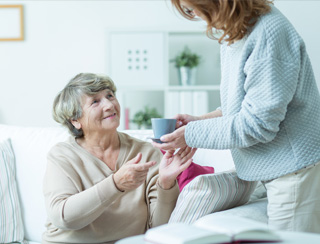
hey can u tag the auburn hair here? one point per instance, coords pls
(231, 17)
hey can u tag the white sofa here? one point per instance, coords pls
(30, 146)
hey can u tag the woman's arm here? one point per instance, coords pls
(163, 189)
(177, 139)
(214, 114)
(160, 202)
(184, 119)
(69, 207)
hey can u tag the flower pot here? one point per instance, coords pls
(187, 76)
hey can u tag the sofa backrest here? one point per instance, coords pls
(31, 145)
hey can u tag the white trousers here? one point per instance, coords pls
(294, 200)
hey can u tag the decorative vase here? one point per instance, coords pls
(187, 76)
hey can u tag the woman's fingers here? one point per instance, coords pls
(187, 152)
(164, 146)
(174, 136)
(169, 153)
(132, 175)
(184, 151)
(172, 141)
(185, 165)
(192, 151)
(168, 137)
(179, 124)
(144, 167)
(136, 159)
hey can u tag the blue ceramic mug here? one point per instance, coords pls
(162, 126)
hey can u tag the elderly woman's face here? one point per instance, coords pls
(100, 112)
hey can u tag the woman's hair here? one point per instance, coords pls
(233, 17)
(67, 104)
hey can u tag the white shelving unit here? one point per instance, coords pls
(140, 64)
(194, 88)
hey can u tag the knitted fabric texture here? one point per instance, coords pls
(269, 101)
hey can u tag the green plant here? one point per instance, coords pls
(187, 59)
(143, 117)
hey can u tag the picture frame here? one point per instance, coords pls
(13, 29)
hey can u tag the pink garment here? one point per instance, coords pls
(191, 172)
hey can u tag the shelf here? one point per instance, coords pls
(208, 71)
(141, 64)
(194, 88)
(169, 88)
(139, 88)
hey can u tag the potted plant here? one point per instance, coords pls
(143, 117)
(186, 62)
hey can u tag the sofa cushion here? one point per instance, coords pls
(211, 193)
(30, 145)
(11, 226)
(255, 210)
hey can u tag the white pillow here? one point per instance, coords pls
(211, 193)
(11, 225)
(30, 146)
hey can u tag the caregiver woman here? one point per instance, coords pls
(270, 107)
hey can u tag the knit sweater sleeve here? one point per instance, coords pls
(269, 87)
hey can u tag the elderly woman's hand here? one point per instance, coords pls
(132, 175)
(173, 164)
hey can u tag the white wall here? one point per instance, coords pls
(63, 38)
(305, 16)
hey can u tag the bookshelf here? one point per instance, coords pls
(140, 64)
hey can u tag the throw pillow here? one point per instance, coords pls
(211, 193)
(11, 225)
(192, 172)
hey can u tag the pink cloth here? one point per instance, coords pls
(191, 172)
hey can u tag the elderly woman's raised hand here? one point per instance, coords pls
(173, 164)
(132, 175)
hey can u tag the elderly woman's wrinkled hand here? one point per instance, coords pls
(132, 175)
(172, 164)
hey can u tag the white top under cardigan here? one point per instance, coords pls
(269, 101)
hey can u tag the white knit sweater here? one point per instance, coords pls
(269, 101)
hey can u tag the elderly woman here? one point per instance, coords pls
(102, 185)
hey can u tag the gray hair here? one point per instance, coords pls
(67, 104)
